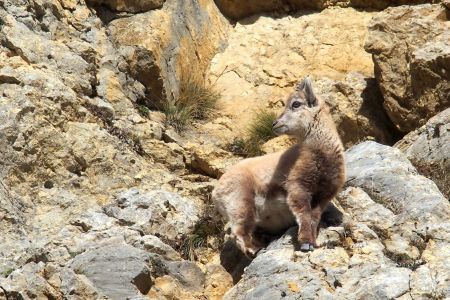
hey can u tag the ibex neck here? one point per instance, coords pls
(323, 134)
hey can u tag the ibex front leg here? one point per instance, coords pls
(299, 202)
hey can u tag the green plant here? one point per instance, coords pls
(196, 101)
(143, 110)
(7, 272)
(257, 133)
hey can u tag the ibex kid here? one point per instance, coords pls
(274, 191)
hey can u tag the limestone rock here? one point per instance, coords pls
(43, 281)
(412, 58)
(183, 280)
(153, 244)
(57, 132)
(76, 72)
(218, 281)
(14, 242)
(276, 273)
(385, 174)
(387, 283)
(98, 197)
(169, 154)
(116, 271)
(422, 285)
(132, 6)
(155, 212)
(210, 160)
(356, 106)
(428, 150)
(11, 215)
(217, 131)
(71, 139)
(277, 144)
(362, 208)
(171, 136)
(180, 37)
(265, 58)
(382, 4)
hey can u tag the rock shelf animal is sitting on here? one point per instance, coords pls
(274, 191)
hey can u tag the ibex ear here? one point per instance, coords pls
(309, 92)
(300, 85)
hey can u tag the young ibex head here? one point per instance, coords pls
(301, 108)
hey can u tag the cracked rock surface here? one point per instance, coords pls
(412, 59)
(428, 149)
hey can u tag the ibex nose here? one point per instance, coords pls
(274, 123)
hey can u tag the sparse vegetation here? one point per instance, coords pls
(210, 225)
(346, 239)
(258, 132)
(403, 260)
(7, 272)
(143, 110)
(196, 101)
(237, 146)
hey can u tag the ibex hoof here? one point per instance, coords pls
(306, 247)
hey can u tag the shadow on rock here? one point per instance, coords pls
(234, 261)
(332, 216)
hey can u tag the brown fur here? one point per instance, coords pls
(276, 190)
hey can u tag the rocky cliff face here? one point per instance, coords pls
(101, 198)
(411, 55)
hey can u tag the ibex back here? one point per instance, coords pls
(274, 191)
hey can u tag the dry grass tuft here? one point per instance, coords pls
(258, 132)
(196, 101)
(209, 226)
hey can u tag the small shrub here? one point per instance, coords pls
(143, 110)
(258, 132)
(196, 101)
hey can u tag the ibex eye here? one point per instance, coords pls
(296, 104)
